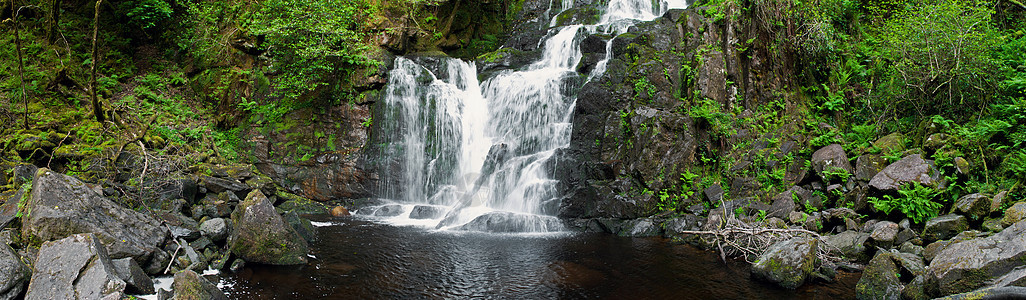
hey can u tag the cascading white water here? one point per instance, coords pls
(479, 152)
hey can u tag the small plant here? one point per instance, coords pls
(831, 173)
(916, 202)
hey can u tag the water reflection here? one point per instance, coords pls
(364, 260)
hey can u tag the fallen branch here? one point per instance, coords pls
(736, 238)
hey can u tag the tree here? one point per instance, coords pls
(97, 109)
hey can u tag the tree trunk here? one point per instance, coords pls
(97, 110)
(21, 62)
(53, 23)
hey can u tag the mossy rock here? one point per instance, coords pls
(300, 205)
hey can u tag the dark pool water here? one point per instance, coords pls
(358, 259)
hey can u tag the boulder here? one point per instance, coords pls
(339, 211)
(75, 267)
(880, 279)
(220, 185)
(1017, 277)
(944, 227)
(136, 279)
(830, 159)
(968, 265)
(783, 205)
(894, 142)
(991, 293)
(912, 168)
(675, 228)
(189, 285)
(262, 236)
(788, 263)
(390, 210)
(1014, 214)
(867, 166)
(216, 229)
(13, 273)
(61, 205)
(641, 228)
(851, 244)
(427, 212)
(301, 225)
(973, 205)
(301, 205)
(884, 233)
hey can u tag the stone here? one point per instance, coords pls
(974, 206)
(136, 279)
(427, 212)
(641, 228)
(992, 225)
(61, 205)
(915, 290)
(912, 168)
(884, 233)
(713, 193)
(967, 265)
(9, 208)
(502, 222)
(301, 225)
(301, 205)
(390, 210)
(1014, 214)
(14, 275)
(851, 244)
(991, 293)
(788, 263)
(935, 141)
(24, 173)
(830, 159)
(262, 236)
(944, 227)
(880, 279)
(675, 227)
(782, 206)
(867, 166)
(221, 185)
(216, 229)
(1017, 277)
(75, 267)
(997, 201)
(339, 211)
(910, 248)
(894, 142)
(190, 285)
(180, 188)
(961, 165)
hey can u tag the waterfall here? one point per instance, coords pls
(476, 156)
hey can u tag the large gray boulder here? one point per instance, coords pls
(75, 267)
(830, 159)
(13, 274)
(912, 168)
(189, 285)
(262, 236)
(61, 205)
(975, 206)
(868, 165)
(216, 229)
(880, 279)
(851, 244)
(788, 263)
(970, 264)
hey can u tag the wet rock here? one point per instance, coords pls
(75, 267)
(713, 193)
(216, 229)
(339, 211)
(136, 279)
(24, 173)
(788, 263)
(301, 225)
(390, 210)
(911, 248)
(427, 212)
(944, 227)
(1017, 277)
(220, 185)
(13, 273)
(261, 236)
(1014, 214)
(851, 244)
(190, 285)
(992, 225)
(973, 205)
(641, 228)
(830, 159)
(512, 222)
(912, 168)
(184, 232)
(783, 205)
(968, 265)
(180, 188)
(880, 279)
(675, 227)
(61, 206)
(9, 208)
(915, 290)
(301, 205)
(867, 166)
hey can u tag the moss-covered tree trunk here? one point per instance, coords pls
(21, 61)
(97, 110)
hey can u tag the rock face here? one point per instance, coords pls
(13, 274)
(61, 205)
(262, 236)
(788, 263)
(912, 168)
(76, 267)
(830, 159)
(968, 265)
(191, 286)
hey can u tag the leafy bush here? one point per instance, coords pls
(916, 202)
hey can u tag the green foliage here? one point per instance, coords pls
(915, 202)
(313, 41)
(146, 14)
(836, 173)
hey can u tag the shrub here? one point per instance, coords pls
(915, 202)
